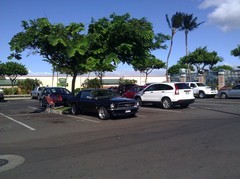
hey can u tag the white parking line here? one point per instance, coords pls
(82, 118)
(163, 110)
(18, 122)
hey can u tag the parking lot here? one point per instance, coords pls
(198, 142)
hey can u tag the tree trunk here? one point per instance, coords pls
(188, 65)
(73, 82)
(170, 50)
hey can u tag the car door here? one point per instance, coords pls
(194, 88)
(234, 92)
(153, 93)
(87, 101)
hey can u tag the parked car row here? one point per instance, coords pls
(107, 103)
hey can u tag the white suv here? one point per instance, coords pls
(201, 90)
(166, 94)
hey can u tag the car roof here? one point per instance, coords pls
(96, 89)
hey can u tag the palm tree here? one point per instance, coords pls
(236, 52)
(175, 24)
(188, 24)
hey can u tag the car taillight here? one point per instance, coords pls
(176, 89)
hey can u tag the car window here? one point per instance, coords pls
(47, 91)
(140, 88)
(182, 86)
(193, 85)
(151, 88)
(133, 89)
(159, 87)
(167, 87)
(236, 87)
(103, 94)
(201, 84)
(85, 94)
(40, 88)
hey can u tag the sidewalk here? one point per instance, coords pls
(14, 97)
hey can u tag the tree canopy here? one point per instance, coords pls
(222, 67)
(108, 42)
(175, 24)
(62, 46)
(174, 69)
(13, 70)
(236, 52)
(147, 65)
(201, 58)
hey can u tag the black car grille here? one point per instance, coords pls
(125, 104)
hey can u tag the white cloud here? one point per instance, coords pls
(225, 14)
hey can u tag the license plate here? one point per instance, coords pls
(127, 111)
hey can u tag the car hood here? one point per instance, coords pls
(120, 99)
(117, 99)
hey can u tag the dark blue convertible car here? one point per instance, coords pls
(104, 102)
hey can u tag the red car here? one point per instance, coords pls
(132, 91)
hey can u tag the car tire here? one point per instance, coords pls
(223, 96)
(74, 109)
(103, 113)
(201, 95)
(139, 101)
(166, 103)
(42, 104)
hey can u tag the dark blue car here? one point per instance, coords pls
(104, 102)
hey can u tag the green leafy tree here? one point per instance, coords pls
(201, 58)
(147, 65)
(124, 39)
(13, 70)
(92, 83)
(127, 81)
(222, 67)
(28, 84)
(175, 25)
(1, 69)
(174, 69)
(236, 52)
(62, 46)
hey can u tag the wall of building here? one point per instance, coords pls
(50, 81)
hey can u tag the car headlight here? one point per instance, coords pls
(112, 106)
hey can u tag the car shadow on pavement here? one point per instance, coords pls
(39, 110)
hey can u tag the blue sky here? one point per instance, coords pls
(220, 32)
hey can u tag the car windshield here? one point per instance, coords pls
(60, 91)
(103, 94)
(182, 86)
(201, 84)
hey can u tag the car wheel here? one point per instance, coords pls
(74, 109)
(103, 113)
(166, 103)
(201, 94)
(42, 103)
(223, 96)
(32, 96)
(184, 105)
(139, 101)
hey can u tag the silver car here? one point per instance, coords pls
(233, 92)
(36, 92)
